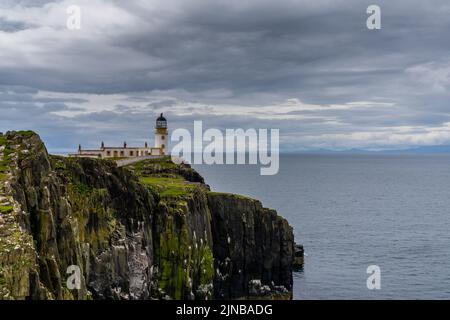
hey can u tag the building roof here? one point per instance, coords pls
(161, 118)
(127, 148)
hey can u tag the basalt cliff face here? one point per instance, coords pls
(87, 229)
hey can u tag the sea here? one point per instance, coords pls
(353, 211)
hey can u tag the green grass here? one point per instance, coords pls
(26, 133)
(6, 209)
(59, 165)
(168, 187)
(165, 160)
(157, 174)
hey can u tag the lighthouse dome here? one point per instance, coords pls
(161, 122)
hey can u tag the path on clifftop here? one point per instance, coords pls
(126, 162)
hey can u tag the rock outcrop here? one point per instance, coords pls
(86, 229)
(250, 242)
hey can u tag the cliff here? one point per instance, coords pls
(151, 230)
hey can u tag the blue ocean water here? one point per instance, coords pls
(352, 211)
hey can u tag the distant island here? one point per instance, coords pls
(434, 149)
(148, 230)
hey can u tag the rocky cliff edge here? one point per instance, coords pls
(151, 230)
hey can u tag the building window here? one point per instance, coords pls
(161, 124)
(163, 146)
(163, 137)
(108, 153)
(122, 153)
(131, 153)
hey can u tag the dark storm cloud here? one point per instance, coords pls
(207, 54)
(259, 46)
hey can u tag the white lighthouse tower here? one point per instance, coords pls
(161, 134)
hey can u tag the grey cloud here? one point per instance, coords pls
(164, 103)
(13, 26)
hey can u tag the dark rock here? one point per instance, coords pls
(250, 243)
(298, 262)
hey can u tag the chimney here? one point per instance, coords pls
(125, 144)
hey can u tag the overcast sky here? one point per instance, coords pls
(308, 67)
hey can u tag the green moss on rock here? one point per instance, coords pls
(6, 209)
(184, 257)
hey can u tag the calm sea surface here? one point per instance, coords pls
(352, 211)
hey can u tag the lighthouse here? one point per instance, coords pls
(126, 151)
(161, 133)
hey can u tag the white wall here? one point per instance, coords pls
(161, 139)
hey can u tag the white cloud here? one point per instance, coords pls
(290, 109)
(432, 76)
(393, 138)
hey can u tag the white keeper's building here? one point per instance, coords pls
(161, 136)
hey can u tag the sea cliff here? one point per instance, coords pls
(149, 230)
